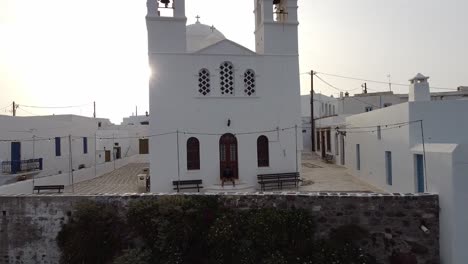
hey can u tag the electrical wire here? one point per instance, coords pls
(375, 81)
(340, 90)
(22, 109)
(54, 107)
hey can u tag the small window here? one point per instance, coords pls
(334, 110)
(144, 123)
(204, 85)
(368, 108)
(226, 72)
(263, 152)
(329, 109)
(388, 167)
(328, 140)
(193, 154)
(358, 157)
(58, 148)
(85, 145)
(99, 124)
(249, 82)
(326, 109)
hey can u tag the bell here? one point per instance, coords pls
(165, 2)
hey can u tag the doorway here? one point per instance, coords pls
(144, 146)
(117, 153)
(322, 141)
(419, 170)
(107, 156)
(228, 155)
(15, 157)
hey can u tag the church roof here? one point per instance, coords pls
(200, 36)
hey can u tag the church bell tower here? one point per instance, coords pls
(276, 27)
(165, 21)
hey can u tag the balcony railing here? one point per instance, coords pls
(18, 166)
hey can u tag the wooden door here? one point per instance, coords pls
(108, 155)
(228, 154)
(144, 146)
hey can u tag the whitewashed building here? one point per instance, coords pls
(215, 104)
(331, 113)
(418, 146)
(43, 146)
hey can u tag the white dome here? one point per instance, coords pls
(200, 36)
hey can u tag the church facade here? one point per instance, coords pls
(217, 106)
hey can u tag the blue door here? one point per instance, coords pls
(15, 157)
(420, 173)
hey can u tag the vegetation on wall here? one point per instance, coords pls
(199, 230)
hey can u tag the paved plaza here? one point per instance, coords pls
(318, 176)
(325, 177)
(123, 180)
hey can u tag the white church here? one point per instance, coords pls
(215, 104)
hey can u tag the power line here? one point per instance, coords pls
(5, 107)
(54, 107)
(381, 82)
(340, 90)
(22, 109)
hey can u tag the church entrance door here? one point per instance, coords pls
(228, 156)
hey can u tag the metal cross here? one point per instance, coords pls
(212, 28)
(198, 18)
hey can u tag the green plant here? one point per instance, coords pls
(94, 234)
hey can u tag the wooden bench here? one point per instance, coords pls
(278, 180)
(48, 187)
(187, 184)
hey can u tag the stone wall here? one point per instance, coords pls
(29, 224)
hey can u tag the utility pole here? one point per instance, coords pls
(14, 109)
(364, 86)
(312, 120)
(389, 82)
(94, 113)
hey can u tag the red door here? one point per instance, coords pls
(228, 154)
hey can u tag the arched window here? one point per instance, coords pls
(193, 154)
(249, 82)
(226, 73)
(204, 86)
(263, 152)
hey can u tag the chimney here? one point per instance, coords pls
(419, 89)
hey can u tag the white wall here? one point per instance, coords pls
(373, 150)
(43, 129)
(276, 104)
(25, 187)
(446, 148)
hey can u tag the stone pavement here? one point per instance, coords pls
(123, 180)
(318, 177)
(322, 177)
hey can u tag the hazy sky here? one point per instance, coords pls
(68, 52)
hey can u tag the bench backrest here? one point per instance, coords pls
(278, 175)
(37, 187)
(187, 182)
